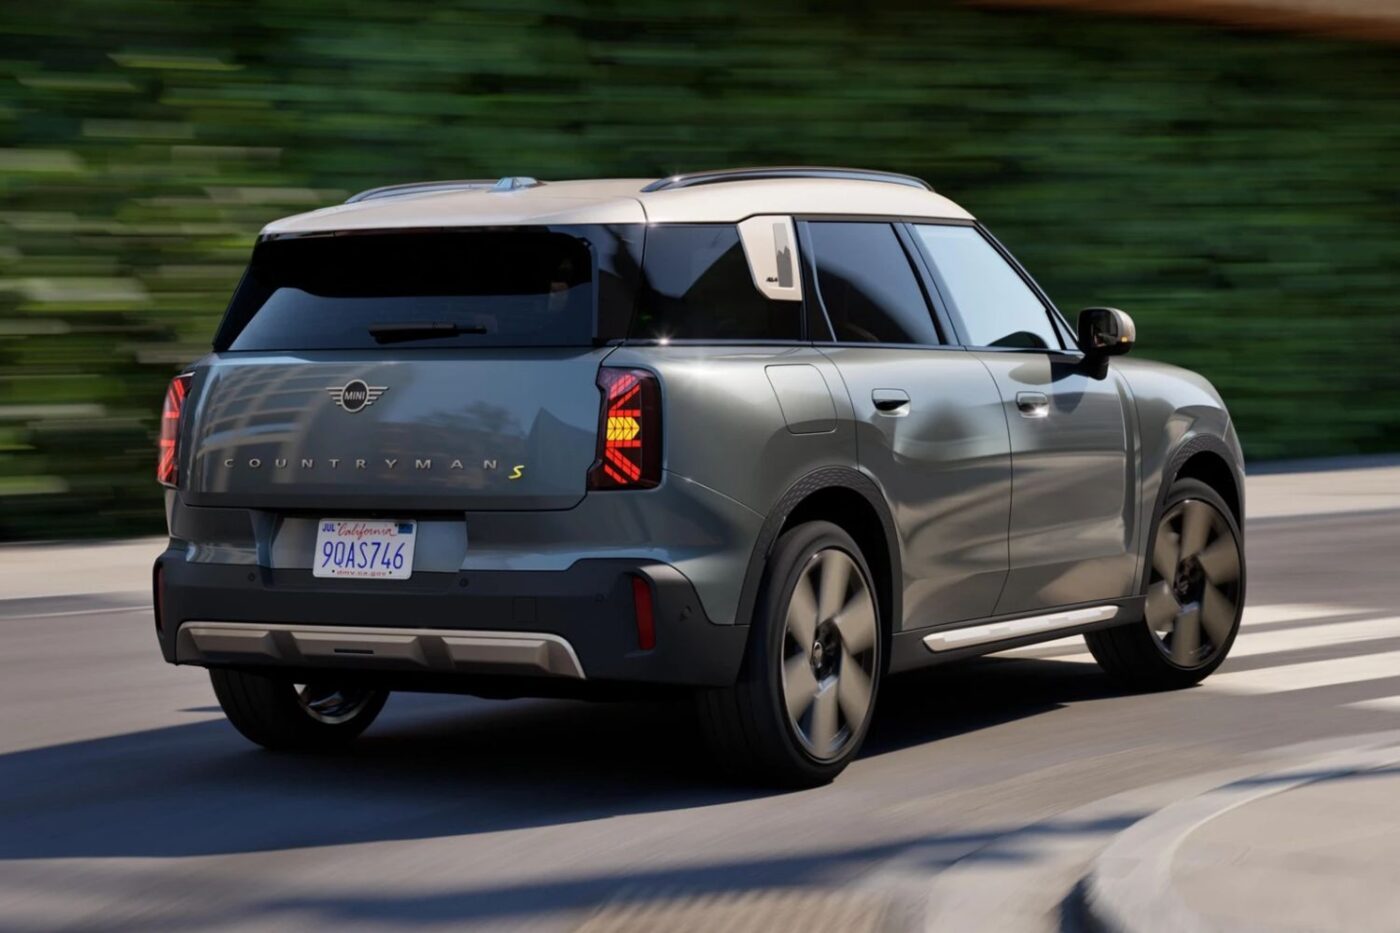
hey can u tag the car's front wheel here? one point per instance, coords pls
(278, 714)
(805, 696)
(1194, 596)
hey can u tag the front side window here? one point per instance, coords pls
(696, 285)
(994, 305)
(867, 286)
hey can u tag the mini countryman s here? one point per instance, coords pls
(766, 436)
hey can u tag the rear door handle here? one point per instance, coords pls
(890, 401)
(1033, 404)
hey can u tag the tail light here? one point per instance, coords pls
(168, 466)
(645, 614)
(629, 431)
(159, 600)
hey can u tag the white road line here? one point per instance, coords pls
(1292, 612)
(1322, 635)
(1245, 645)
(1307, 675)
(1383, 704)
(1284, 678)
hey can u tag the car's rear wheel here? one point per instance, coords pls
(1194, 596)
(805, 696)
(279, 714)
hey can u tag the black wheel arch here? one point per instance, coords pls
(1207, 458)
(850, 499)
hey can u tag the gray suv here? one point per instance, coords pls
(763, 436)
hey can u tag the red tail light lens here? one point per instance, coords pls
(646, 616)
(159, 602)
(168, 466)
(629, 432)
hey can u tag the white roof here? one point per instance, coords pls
(622, 200)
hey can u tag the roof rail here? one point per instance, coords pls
(509, 183)
(691, 179)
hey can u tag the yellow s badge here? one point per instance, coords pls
(517, 472)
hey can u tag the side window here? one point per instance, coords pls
(696, 285)
(993, 303)
(867, 286)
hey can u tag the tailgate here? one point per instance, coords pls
(352, 431)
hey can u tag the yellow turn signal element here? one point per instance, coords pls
(623, 429)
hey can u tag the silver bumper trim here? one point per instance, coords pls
(377, 648)
(975, 635)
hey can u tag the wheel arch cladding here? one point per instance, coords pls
(852, 501)
(1211, 468)
(1207, 458)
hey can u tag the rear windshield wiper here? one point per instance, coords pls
(420, 330)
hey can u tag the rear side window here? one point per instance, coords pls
(696, 285)
(867, 286)
(457, 289)
(993, 303)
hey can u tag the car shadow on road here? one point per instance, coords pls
(441, 766)
(941, 702)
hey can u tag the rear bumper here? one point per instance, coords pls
(443, 650)
(577, 624)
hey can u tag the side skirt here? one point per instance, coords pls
(937, 644)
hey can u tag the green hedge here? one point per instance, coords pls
(1237, 193)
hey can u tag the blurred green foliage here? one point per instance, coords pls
(1238, 193)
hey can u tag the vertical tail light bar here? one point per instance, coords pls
(159, 601)
(168, 464)
(644, 612)
(629, 431)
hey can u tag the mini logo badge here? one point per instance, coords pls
(355, 394)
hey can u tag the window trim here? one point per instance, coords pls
(814, 316)
(942, 318)
(1057, 325)
(811, 289)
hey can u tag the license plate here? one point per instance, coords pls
(353, 548)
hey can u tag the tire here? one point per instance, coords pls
(1205, 594)
(272, 712)
(830, 685)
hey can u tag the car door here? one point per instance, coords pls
(1074, 495)
(929, 425)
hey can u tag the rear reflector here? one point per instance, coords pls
(629, 431)
(159, 601)
(168, 465)
(646, 618)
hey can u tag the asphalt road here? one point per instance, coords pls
(126, 802)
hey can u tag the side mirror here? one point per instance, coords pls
(1105, 332)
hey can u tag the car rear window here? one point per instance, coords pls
(518, 288)
(696, 285)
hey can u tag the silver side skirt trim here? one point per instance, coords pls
(975, 635)
(377, 648)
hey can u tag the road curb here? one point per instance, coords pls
(1129, 886)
